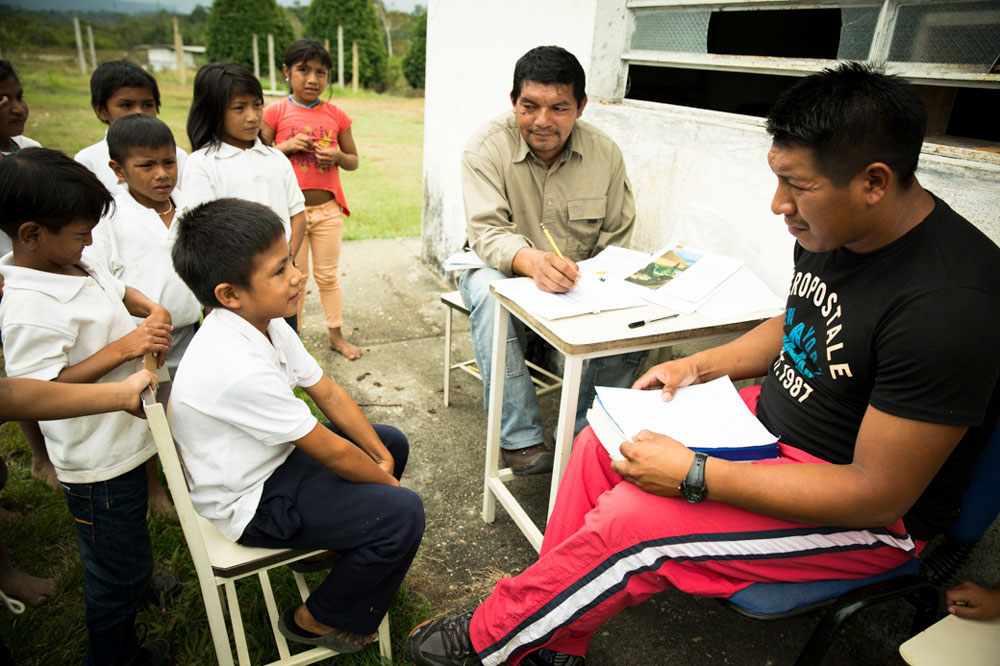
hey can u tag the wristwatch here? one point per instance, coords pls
(693, 487)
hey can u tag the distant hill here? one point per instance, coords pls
(123, 6)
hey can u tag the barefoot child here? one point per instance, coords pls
(65, 320)
(260, 466)
(316, 137)
(13, 116)
(133, 240)
(117, 89)
(229, 159)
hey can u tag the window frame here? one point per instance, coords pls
(918, 73)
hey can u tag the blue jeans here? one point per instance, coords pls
(113, 541)
(521, 425)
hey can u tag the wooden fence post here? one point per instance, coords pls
(256, 58)
(270, 59)
(93, 53)
(179, 50)
(79, 44)
(354, 67)
(340, 56)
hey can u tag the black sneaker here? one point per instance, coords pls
(443, 641)
(546, 657)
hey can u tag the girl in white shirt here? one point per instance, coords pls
(229, 159)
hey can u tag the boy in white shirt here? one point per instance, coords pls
(117, 89)
(259, 465)
(65, 320)
(133, 240)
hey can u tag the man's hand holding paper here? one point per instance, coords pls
(654, 462)
(669, 376)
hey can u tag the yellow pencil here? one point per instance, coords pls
(555, 247)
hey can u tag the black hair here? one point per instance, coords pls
(7, 71)
(850, 116)
(115, 74)
(215, 85)
(137, 130)
(45, 186)
(305, 50)
(550, 65)
(220, 241)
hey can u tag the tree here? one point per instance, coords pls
(361, 25)
(415, 60)
(232, 24)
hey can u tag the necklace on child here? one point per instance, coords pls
(168, 211)
(304, 106)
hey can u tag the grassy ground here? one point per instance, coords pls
(384, 195)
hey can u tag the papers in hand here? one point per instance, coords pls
(710, 418)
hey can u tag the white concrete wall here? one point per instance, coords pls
(472, 46)
(699, 176)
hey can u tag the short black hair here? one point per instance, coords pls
(215, 84)
(220, 241)
(850, 116)
(45, 186)
(7, 71)
(138, 130)
(550, 65)
(115, 74)
(305, 50)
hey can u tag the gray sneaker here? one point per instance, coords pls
(443, 641)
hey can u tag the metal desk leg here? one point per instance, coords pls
(572, 373)
(498, 372)
(447, 353)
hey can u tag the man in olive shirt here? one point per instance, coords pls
(540, 164)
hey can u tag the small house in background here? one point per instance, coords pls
(161, 57)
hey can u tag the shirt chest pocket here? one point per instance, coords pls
(586, 217)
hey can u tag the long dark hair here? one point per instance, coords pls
(215, 85)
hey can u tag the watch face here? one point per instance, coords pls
(693, 495)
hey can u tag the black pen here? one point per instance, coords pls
(643, 322)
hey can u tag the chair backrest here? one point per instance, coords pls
(981, 503)
(156, 417)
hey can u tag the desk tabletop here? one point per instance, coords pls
(608, 330)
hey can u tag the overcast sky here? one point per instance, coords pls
(181, 6)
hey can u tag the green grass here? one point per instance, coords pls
(384, 194)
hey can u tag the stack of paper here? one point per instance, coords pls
(710, 418)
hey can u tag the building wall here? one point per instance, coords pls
(698, 176)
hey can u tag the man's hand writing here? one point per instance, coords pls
(655, 463)
(555, 274)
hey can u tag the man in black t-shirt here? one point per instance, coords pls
(880, 380)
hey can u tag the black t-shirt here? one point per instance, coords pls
(912, 329)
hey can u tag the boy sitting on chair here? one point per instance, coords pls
(259, 465)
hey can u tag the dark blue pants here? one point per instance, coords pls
(113, 540)
(376, 528)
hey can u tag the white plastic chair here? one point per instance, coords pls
(220, 562)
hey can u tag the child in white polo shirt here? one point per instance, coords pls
(65, 320)
(229, 159)
(259, 465)
(133, 240)
(119, 88)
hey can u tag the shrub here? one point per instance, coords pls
(232, 24)
(361, 25)
(415, 60)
